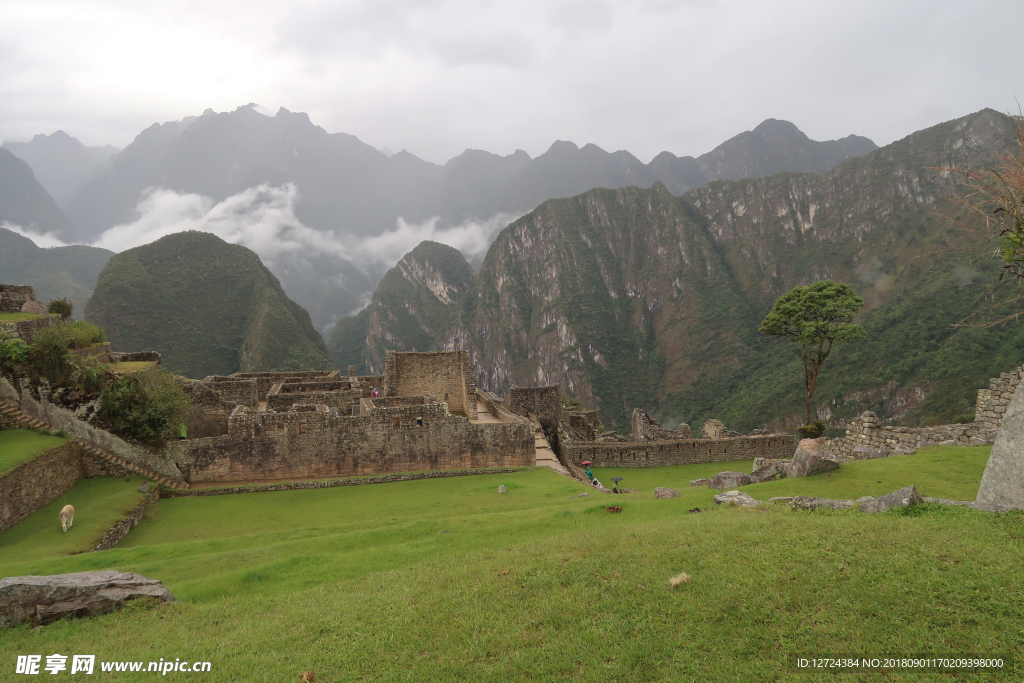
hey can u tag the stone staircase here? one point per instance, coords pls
(13, 413)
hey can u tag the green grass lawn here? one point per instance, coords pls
(357, 583)
(99, 503)
(130, 366)
(18, 446)
(7, 317)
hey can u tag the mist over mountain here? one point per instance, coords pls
(638, 297)
(61, 163)
(24, 202)
(54, 272)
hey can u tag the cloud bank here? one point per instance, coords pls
(263, 219)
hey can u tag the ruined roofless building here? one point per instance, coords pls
(427, 415)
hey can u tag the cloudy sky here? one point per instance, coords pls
(438, 76)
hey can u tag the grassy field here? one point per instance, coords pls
(448, 580)
(8, 317)
(18, 446)
(130, 366)
(99, 503)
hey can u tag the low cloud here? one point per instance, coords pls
(263, 219)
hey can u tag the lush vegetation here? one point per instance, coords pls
(56, 271)
(538, 584)
(18, 446)
(148, 407)
(9, 317)
(209, 307)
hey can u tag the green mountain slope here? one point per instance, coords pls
(412, 307)
(55, 272)
(208, 306)
(636, 297)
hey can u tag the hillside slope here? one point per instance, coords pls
(413, 306)
(61, 163)
(55, 272)
(25, 203)
(208, 306)
(636, 297)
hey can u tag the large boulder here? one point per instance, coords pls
(662, 492)
(766, 469)
(905, 497)
(736, 498)
(1003, 481)
(729, 480)
(44, 598)
(810, 458)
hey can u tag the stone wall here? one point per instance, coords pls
(57, 417)
(14, 297)
(644, 428)
(683, 452)
(236, 391)
(334, 483)
(123, 526)
(444, 375)
(37, 482)
(992, 402)
(338, 395)
(544, 402)
(867, 430)
(25, 329)
(276, 446)
(266, 380)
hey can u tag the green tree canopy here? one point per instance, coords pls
(818, 317)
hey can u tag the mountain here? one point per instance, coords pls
(61, 163)
(351, 191)
(25, 203)
(56, 272)
(211, 308)
(414, 304)
(638, 297)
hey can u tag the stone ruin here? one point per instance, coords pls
(647, 429)
(427, 415)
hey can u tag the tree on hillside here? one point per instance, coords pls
(818, 317)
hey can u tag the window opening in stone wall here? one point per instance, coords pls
(302, 428)
(419, 420)
(397, 423)
(280, 430)
(446, 397)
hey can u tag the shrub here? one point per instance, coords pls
(149, 408)
(812, 431)
(13, 351)
(61, 307)
(82, 334)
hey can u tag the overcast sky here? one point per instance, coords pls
(436, 77)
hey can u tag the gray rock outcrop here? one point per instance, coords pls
(766, 469)
(812, 503)
(501, 489)
(729, 480)
(905, 497)
(662, 492)
(700, 482)
(736, 498)
(1003, 481)
(810, 458)
(84, 594)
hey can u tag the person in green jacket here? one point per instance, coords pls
(590, 475)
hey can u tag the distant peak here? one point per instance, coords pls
(563, 146)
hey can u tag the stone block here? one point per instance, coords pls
(810, 458)
(83, 594)
(868, 453)
(729, 480)
(904, 497)
(662, 492)
(736, 498)
(812, 503)
(1003, 480)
